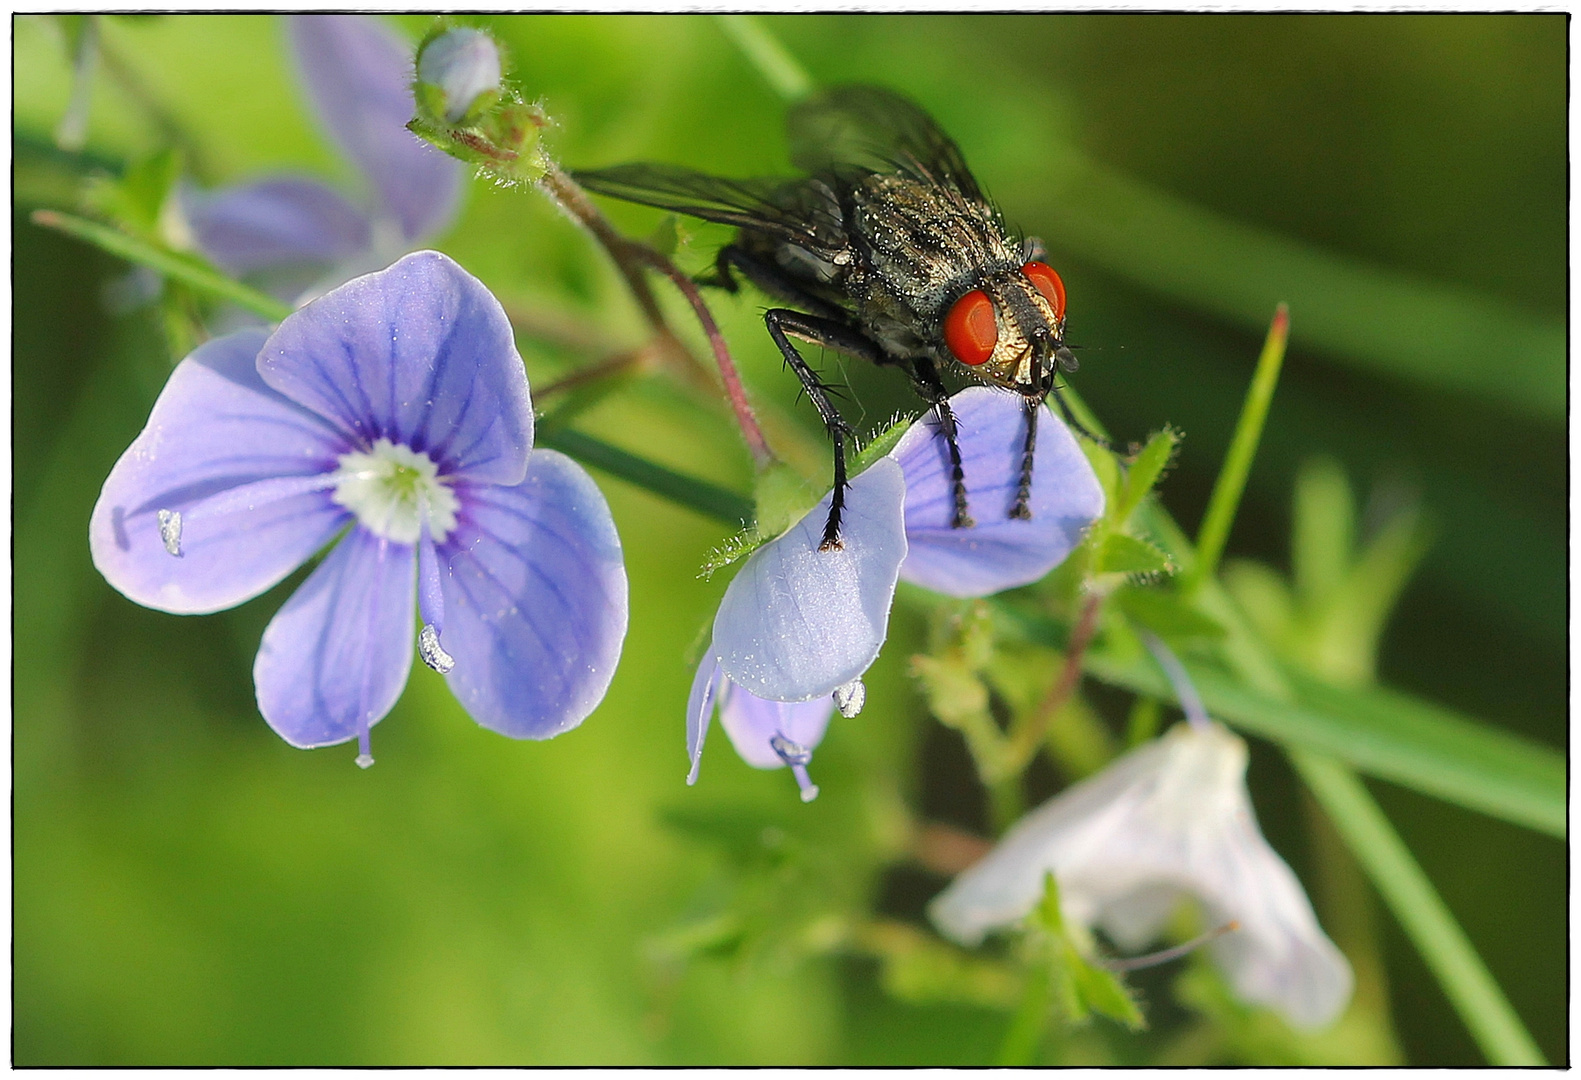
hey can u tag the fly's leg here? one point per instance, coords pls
(1022, 508)
(782, 286)
(782, 322)
(927, 378)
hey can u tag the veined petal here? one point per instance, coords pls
(216, 429)
(999, 552)
(751, 722)
(797, 622)
(358, 74)
(535, 600)
(334, 659)
(1169, 819)
(700, 709)
(420, 354)
(276, 221)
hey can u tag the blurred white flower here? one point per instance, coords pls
(1169, 819)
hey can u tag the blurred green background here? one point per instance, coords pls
(188, 889)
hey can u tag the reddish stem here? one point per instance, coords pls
(1070, 675)
(762, 456)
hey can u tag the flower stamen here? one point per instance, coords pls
(797, 757)
(396, 492)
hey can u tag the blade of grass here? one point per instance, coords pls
(169, 263)
(1382, 733)
(1471, 989)
(773, 61)
(1373, 319)
(1231, 482)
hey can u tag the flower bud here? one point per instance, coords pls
(458, 76)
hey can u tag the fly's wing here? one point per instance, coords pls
(878, 130)
(799, 212)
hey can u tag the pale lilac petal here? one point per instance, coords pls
(998, 552)
(334, 659)
(216, 428)
(752, 721)
(1171, 818)
(420, 354)
(279, 221)
(700, 709)
(797, 622)
(535, 600)
(358, 74)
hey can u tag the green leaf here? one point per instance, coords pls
(1102, 991)
(1383, 733)
(1166, 613)
(1122, 554)
(1147, 470)
(138, 196)
(1323, 532)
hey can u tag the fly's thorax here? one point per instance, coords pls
(922, 239)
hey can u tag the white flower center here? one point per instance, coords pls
(393, 490)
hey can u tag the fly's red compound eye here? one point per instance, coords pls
(1048, 283)
(969, 328)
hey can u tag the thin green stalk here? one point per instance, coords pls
(169, 263)
(1422, 913)
(707, 499)
(773, 61)
(1231, 483)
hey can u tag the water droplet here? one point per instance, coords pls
(170, 530)
(433, 654)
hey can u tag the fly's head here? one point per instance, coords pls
(1010, 329)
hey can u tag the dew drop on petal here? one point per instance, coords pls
(432, 652)
(170, 530)
(364, 760)
(850, 698)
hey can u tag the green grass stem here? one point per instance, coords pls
(1422, 913)
(169, 263)
(1227, 489)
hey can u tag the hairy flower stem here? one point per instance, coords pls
(762, 456)
(630, 257)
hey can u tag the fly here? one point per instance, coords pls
(888, 251)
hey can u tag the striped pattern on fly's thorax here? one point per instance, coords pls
(925, 245)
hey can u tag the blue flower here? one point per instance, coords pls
(295, 230)
(394, 410)
(801, 625)
(767, 734)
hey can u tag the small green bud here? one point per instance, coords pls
(458, 76)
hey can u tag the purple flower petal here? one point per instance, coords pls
(334, 659)
(275, 222)
(700, 709)
(797, 622)
(358, 74)
(751, 722)
(999, 552)
(217, 429)
(420, 354)
(535, 600)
